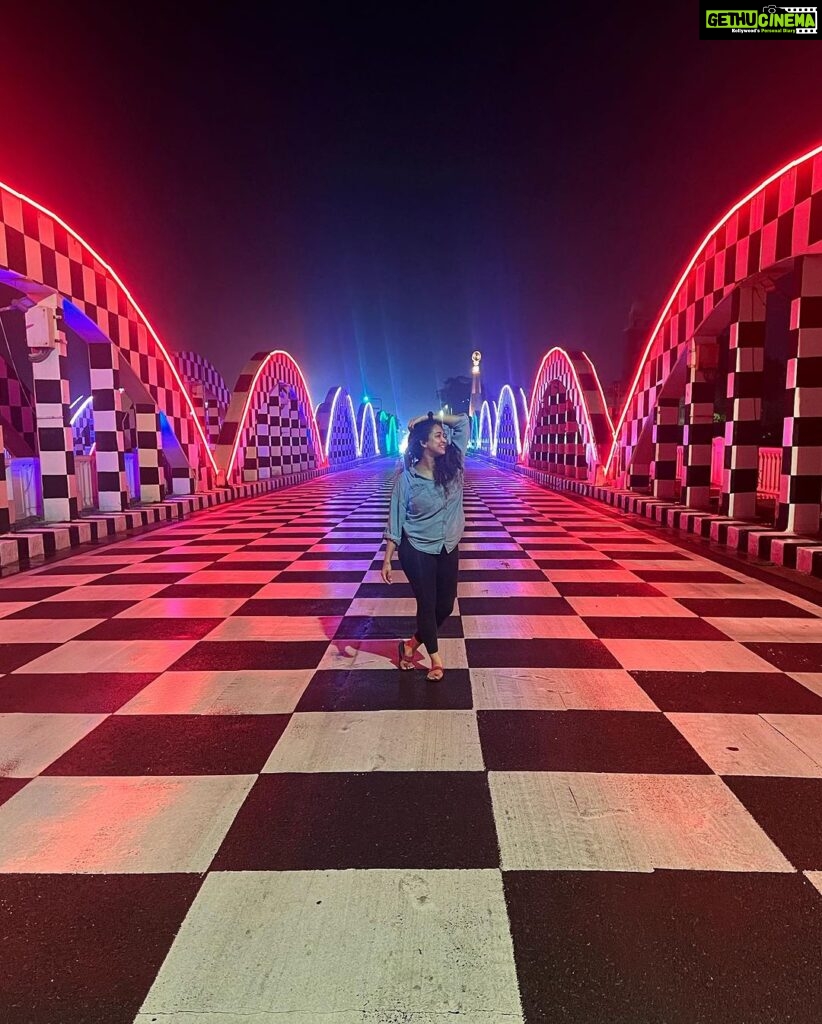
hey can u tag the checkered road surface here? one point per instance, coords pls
(221, 802)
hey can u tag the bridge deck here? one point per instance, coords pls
(221, 800)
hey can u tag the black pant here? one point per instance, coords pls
(433, 579)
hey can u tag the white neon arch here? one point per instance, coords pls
(353, 416)
(368, 407)
(507, 390)
(485, 415)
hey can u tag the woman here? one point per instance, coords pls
(425, 523)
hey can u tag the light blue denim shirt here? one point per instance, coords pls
(429, 515)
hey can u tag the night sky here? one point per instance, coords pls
(380, 190)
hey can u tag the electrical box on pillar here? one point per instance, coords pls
(44, 329)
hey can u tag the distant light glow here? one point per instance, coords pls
(403, 445)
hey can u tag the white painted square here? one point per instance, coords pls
(111, 656)
(629, 607)
(746, 745)
(183, 608)
(43, 631)
(353, 947)
(525, 627)
(361, 654)
(110, 825)
(280, 627)
(557, 689)
(388, 741)
(686, 656)
(776, 630)
(29, 743)
(243, 692)
(577, 821)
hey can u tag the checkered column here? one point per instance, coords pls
(746, 361)
(6, 509)
(107, 411)
(553, 433)
(264, 443)
(575, 461)
(800, 488)
(697, 437)
(667, 435)
(149, 443)
(54, 436)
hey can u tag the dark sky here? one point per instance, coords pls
(380, 190)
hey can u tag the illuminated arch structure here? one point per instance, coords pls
(568, 430)
(270, 429)
(772, 238)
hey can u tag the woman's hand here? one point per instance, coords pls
(385, 572)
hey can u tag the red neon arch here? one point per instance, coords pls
(318, 447)
(683, 277)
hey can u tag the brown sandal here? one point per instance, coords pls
(431, 677)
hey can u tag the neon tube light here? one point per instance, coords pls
(357, 446)
(368, 407)
(130, 297)
(80, 410)
(495, 442)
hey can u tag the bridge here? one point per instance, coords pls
(219, 798)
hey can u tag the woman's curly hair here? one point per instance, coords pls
(448, 466)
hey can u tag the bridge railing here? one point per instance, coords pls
(769, 469)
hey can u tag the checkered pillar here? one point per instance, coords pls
(264, 442)
(667, 435)
(107, 411)
(698, 434)
(746, 360)
(54, 435)
(576, 465)
(6, 509)
(800, 488)
(149, 443)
